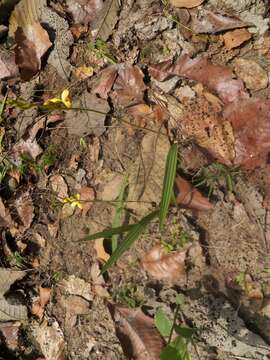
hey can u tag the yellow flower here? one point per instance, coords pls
(55, 102)
(74, 201)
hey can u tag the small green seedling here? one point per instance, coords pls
(176, 349)
(102, 50)
(216, 174)
(130, 297)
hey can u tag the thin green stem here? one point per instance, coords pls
(174, 322)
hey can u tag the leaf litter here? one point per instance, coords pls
(217, 104)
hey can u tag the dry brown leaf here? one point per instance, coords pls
(83, 72)
(250, 122)
(31, 39)
(83, 11)
(162, 265)
(161, 71)
(78, 30)
(129, 86)
(101, 253)
(137, 333)
(186, 3)
(26, 147)
(39, 305)
(235, 38)
(25, 209)
(53, 229)
(87, 196)
(76, 286)
(10, 331)
(253, 75)
(189, 197)
(106, 80)
(59, 186)
(8, 67)
(5, 219)
(205, 21)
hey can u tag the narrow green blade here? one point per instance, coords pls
(168, 182)
(118, 211)
(2, 106)
(108, 233)
(133, 235)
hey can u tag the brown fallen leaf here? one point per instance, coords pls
(78, 30)
(137, 333)
(206, 21)
(250, 122)
(8, 67)
(87, 195)
(129, 86)
(106, 80)
(218, 78)
(253, 75)
(31, 39)
(189, 197)
(83, 11)
(38, 307)
(186, 3)
(101, 253)
(25, 209)
(10, 332)
(6, 220)
(26, 147)
(162, 265)
(235, 38)
(59, 186)
(83, 72)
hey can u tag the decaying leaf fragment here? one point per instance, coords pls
(162, 265)
(31, 39)
(251, 126)
(137, 333)
(83, 11)
(235, 38)
(189, 197)
(186, 3)
(106, 80)
(253, 75)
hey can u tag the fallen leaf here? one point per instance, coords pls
(53, 229)
(189, 197)
(142, 113)
(235, 38)
(129, 86)
(76, 286)
(83, 72)
(106, 19)
(98, 281)
(253, 75)
(10, 331)
(74, 305)
(162, 265)
(8, 67)
(39, 305)
(26, 147)
(106, 80)
(83, 11)
(53, 349)
(10, 312)
(250, 122)
(186, 3)
(59, 186)
(146, 179)
(77, 30)
(101, 253)
(137, 333)
(31, 39)
(87, 195)
(6, 220)
(206, 21)
(25, 209)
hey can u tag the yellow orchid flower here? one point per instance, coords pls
(74, 201)
(65, 100)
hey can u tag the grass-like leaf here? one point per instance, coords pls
(133, 235)
(2, 106)
(168, 182)
(108, 233)
(118, 211)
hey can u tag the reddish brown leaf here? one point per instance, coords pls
(137, 334)
(189, 197)
(205, 21)
(83, 11)
(25, 210)
(39, 305)
(186, 3)
(106, 81)
(253, 75)
(160, 71)
(8, 67)
(87, 196)
(129, 86)
(235, 38)
(162, 265)
(250, 121)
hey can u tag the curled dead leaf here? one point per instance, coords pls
(189, 197)
(106, 80)
(39, 305)
(186, 3)
(162, 265)
(137, 334)
(101, 253)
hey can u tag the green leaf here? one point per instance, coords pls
(168, 182)
(170, 353)
(180, 299)
(2, 106)
(267, 270)
(118, 211)
(163, 323)
(186, 332)
(133, 235)
(108, 233)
